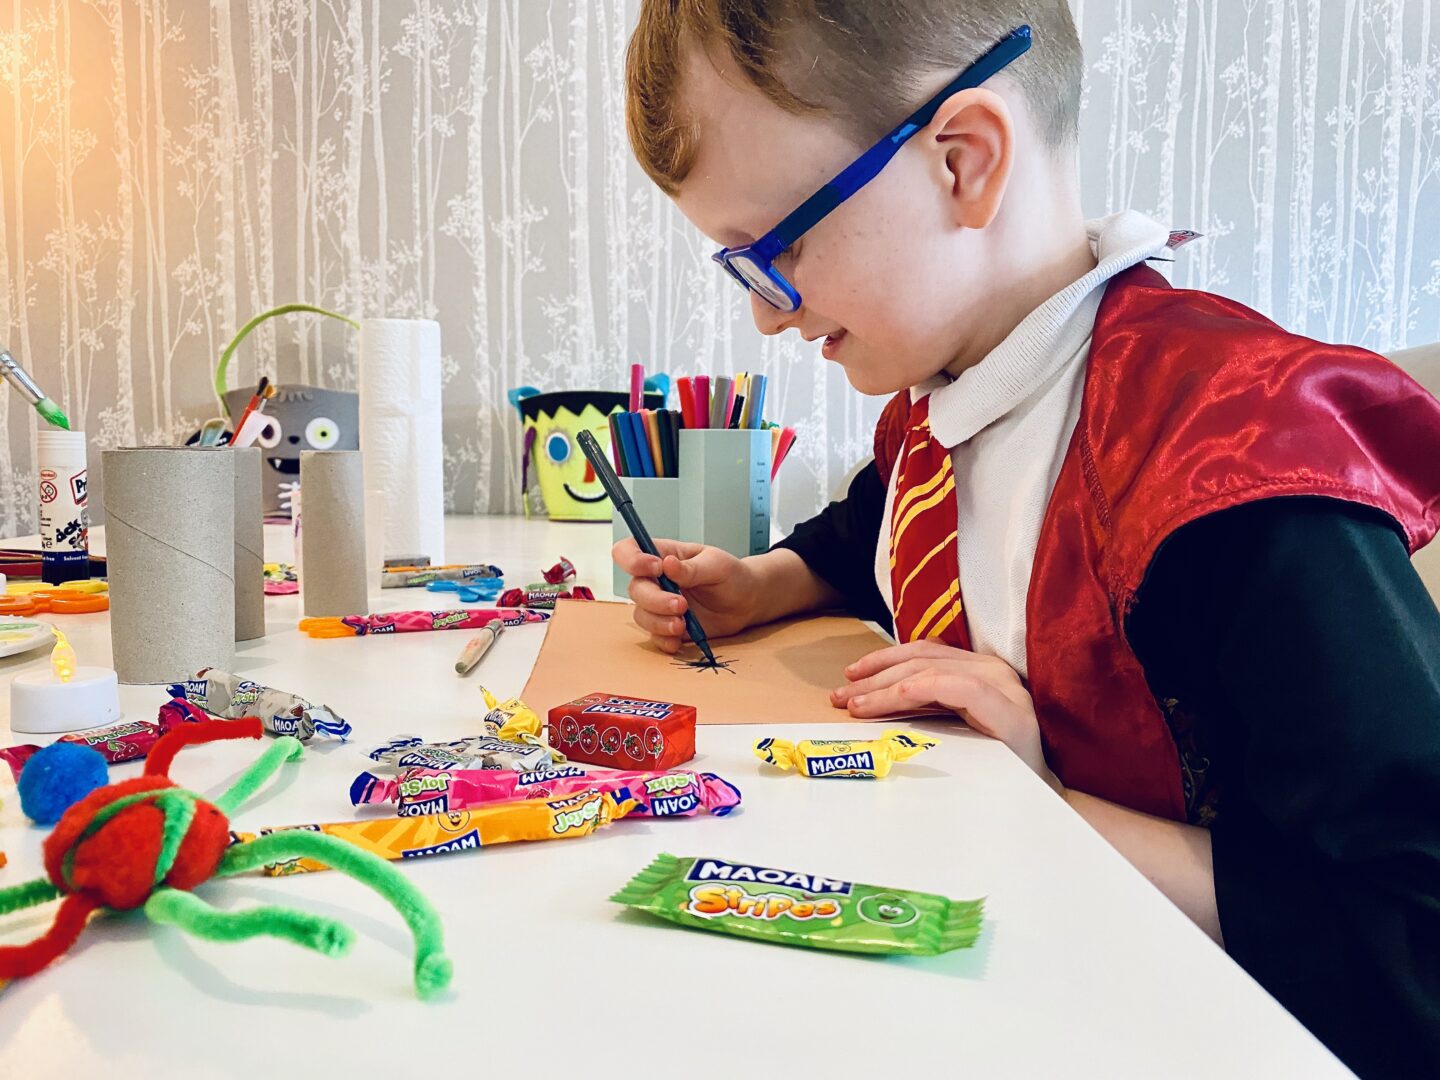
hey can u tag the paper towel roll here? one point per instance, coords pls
(170, 543)
(400, 431)
(332, 554)
(249, 545)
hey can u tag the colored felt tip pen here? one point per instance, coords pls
(478, 646)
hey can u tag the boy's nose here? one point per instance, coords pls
(771, 320)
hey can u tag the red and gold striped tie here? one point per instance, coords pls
(924, 559)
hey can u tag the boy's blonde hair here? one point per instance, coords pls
(861, 61)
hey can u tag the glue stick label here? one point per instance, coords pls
(64, 519)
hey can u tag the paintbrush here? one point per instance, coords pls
(21, 380)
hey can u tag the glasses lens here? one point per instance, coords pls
(759, 278)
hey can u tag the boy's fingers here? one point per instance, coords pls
(701, 568)
(659, 626)
(629, 558)
(648, 595)
(978, 701)
(681, 549)
(879, 681)
(881, 659)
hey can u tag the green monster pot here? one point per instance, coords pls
(551, 422)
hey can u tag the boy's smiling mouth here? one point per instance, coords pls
(832, 343)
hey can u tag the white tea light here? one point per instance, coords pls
(67, 698)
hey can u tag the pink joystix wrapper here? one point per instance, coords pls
(679, 793)
(130, 740)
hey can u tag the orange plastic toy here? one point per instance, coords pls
(58, 601)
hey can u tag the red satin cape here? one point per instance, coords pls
(1192, 404)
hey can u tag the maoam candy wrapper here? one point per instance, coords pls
(477, 752)
(463, 830)
(229, 696)
(789, 907)
(561, 572)
(624, 732)
(657, 794)
(512, 720)
(852, 759)
(129, 740)
(543, 596)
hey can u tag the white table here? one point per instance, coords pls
(1083, 969)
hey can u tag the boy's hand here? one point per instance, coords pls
(984, 690)
(718, 588)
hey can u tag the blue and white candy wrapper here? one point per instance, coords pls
(230, 697)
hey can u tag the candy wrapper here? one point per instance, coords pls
(229, 696)
(433, 791)
(561, 572)
(866, 759)
(513, 721)
(407, 622)
(792, 908)
(126, 741)
(543, 597)
(414, 579)
(621, 732)
(280, 579)
(464, 830)
(478, 752)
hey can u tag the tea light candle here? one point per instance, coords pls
(67, 698)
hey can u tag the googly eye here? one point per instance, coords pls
(322, 433)
(269, 436)
(557, 447)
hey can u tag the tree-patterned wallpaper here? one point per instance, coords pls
(170, 167)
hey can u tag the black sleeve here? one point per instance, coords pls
(1298, 638)
(839, 544)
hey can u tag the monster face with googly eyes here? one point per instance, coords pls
(299, 418)
(552, 423)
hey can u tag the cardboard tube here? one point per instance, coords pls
(332, 556)
(169, 538)
(249, 545)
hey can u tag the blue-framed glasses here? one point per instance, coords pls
(753, 265)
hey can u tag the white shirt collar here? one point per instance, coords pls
(1045, 340)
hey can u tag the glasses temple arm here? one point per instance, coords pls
(866, 167)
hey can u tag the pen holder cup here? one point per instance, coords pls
(725, 489)
(657, 501)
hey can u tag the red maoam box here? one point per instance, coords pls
(624, 732)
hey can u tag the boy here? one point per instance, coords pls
(1152, 542)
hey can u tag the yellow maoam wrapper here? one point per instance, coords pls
(856, 759)
(512, 720)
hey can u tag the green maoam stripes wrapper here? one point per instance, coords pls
(794, 908)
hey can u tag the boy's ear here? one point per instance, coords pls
(976, 135)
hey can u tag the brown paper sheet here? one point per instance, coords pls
(781, 673)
